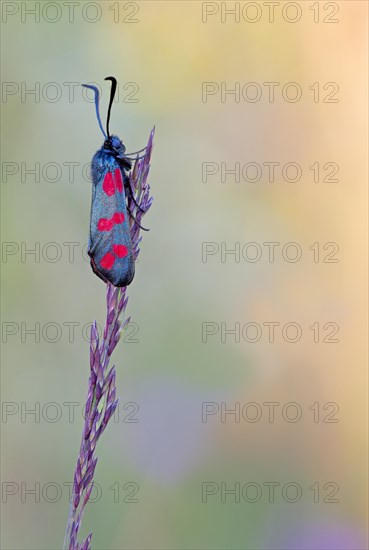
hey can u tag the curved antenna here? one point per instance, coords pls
(96, 91)
(112, 94)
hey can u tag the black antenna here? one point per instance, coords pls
(112, 94)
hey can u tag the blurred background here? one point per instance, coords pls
(177, 469)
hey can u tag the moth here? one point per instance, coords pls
(110, 245)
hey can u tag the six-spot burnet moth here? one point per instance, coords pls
(110, 246)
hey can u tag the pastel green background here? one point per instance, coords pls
(170, 372)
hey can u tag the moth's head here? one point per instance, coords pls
(114, 145)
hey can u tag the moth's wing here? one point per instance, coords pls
(110, 246)
(97, 173)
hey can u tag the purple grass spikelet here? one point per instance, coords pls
(101, 399)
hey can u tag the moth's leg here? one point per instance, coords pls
(133, 159)
(135, 152)
(128, 188)
(136, 222)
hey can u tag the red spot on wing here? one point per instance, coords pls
(107, 261)
(104, 224)
(118, 217)
(120, 250)
(108, 184)
(118, 180)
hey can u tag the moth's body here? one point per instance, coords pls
(110, 246)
